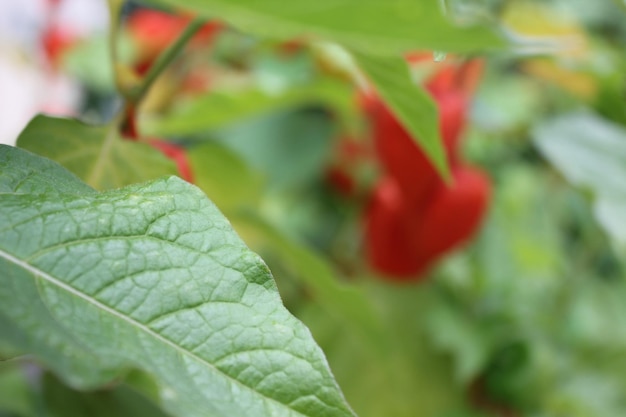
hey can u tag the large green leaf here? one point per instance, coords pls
(374, 26)
(95, 153)
(591, 152)
(345, 302)
(152, 277)
(410, 103)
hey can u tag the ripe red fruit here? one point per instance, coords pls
(154, 31)
(176, 154)
(56, 41)
(397, 152)
(453, 215)
(414, 218)
(404, 240)
(388, 232)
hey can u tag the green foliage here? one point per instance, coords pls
(591, 153)
(219, 109)
(370, 26)
(392, 81)
(150, 276)
(97, 155)
(124, 290)
(377, 31)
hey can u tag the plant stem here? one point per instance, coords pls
(165, 59)
(115, 10)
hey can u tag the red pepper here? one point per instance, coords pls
(154, 31)
(414, 218)
(177, 154)
(56, 41)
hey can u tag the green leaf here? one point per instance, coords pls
(16, 397)
(290, 147)
(221, 174)
(62, 401)
(373, 26)
(408, 377)
(91, 62)
(222, 108)
(345, 302)
(411, 104)
(591, 152)
(95, 153)
(153, 277)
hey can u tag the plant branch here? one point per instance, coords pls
(115, 11)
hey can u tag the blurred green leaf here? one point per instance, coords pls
(406, 378)
(373, 26)
(219, 109)
(96, 154)
(224, 177)
(460, 337)
(62, 401)
(591, 152)
(409, 102)
(506, 104)
(289, 148)
(153, 277)
(15, 390)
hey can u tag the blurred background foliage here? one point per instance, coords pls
(525, 320)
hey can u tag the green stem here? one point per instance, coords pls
(165, 59)
(115, 10)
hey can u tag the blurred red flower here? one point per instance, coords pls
(177, 154)
(413, 217)
(154, 31)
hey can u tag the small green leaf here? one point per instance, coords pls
(219, 109)
(96, 154)
(591, 152)
(410, 103)
(152, 277)
(372, 26)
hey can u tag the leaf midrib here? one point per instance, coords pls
(98, 168)
(62, 285)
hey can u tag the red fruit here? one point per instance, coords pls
(403, 241)
(176, 154)
(128, 127)
(350, 155)
(56, 41)
(154, 31)
(453, 216)
(402, 158)
(414, 218)
(388, 232)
